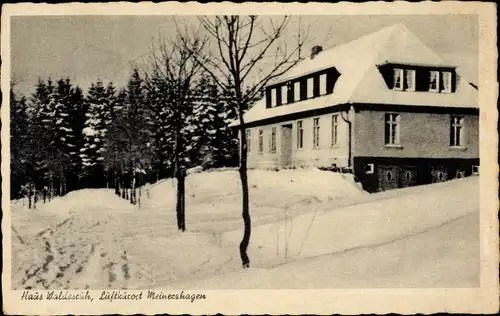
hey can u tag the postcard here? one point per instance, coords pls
(252, 158)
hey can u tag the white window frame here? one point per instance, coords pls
(398, 73)
(316, 131)
(310, 87)
(394, 134)
(249, 139)
(284, 94)
(436, 73)
(261, 141)
(370, 168)
(475, 169)
(300, 134)
(410, 78)
(274, 97)
(447, 78)
(458, 129)
(335, 130)
(322, 84)
(272, 140)
(296, 92)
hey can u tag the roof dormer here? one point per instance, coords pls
(309, 86)
(405, 77)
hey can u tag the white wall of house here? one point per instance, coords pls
(325, 154)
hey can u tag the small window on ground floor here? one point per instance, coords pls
(475, 169)
(369, 168)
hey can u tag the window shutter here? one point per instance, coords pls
(268, 98)
(303, 89)
(316, 86)
(278, 95)
(441, 81)
(405, 79)
(452, 134)
(387, 127)
(454, 81)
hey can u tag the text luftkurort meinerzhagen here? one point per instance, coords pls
(110, 296)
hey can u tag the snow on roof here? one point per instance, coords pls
(360, 80)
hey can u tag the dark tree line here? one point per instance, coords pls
(63, 139)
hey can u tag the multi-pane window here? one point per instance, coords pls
(300, 134)
(434, 81)
(272, 140)
(410, 80)
(322, 84)
(249, 140)
(457, 131)
(316, 132)
(310, 87)
(398, 79)
(273, 97)
(446, 81)
(261, 141)
(334, 129)
(392, 129)
(296, 91)
(284, 94)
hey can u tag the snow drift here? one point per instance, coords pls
(318, 226)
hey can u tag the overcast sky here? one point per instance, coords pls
(87, 48)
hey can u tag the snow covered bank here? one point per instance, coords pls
(443, 256)
(318, 225)
(427, 237)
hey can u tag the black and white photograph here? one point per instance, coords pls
(172, 156)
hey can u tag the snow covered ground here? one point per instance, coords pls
(311, 229)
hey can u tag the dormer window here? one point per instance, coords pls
(284, 94)
(310, 88)
(296, 91)
(322, 84)
(398, 79)
(447, 81)
(273, 97)
(434, 81)
(410, 79)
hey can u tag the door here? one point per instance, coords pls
(286, 145)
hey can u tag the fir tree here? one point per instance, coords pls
(99, 102)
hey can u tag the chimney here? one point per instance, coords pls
(315, 50)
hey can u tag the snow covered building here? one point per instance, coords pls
(385, 106)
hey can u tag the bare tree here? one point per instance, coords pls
(174, 69)
(244, 54)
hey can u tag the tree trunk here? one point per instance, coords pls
(117, 185)
(30, 192)
(34, 197)
(132, 189)
(180, 207)
(245, 260)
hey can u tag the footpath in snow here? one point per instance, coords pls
(318, 226)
